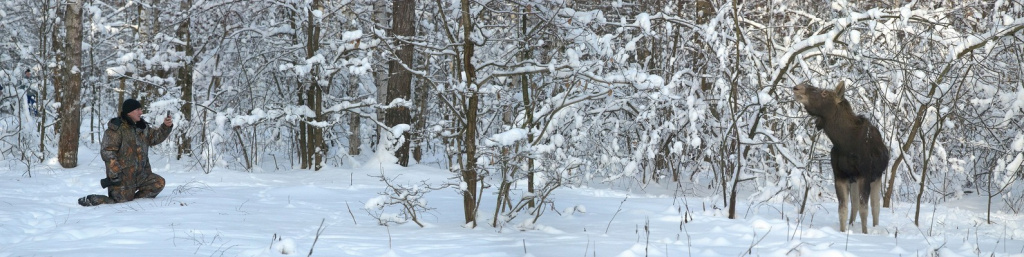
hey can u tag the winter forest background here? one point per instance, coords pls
(628, 94)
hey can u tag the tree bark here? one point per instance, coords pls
(60, 45)
(420, 119)
(469, 173)
(528, 124)
(70, 109)
(184, 79)
(315, 148)
(355, 139)
(705, 11)
(399, 84)
(381, 15)
(58, 80)
(924, 169)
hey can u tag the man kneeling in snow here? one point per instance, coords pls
(125, 150)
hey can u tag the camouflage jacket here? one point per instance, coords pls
(125, 149)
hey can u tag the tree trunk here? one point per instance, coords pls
(735, 106)
(355, 140)
(420, 119)
(315, 148)
(399, 84)
(303, 136)
(421, 93)
(60, 45)
(924, 169)
(94, 114)
(149, 27)
(71, 115)
(528, 124)
(469, 173)
(887, 199)
(184, 79)
(921, 111)
(705, 11)
(381, 15)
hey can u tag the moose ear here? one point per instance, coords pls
(840, 89)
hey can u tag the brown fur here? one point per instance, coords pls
(859, 156)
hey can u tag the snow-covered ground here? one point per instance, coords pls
(274, 213)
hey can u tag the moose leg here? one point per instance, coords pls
(876, 188)
(862, 202)
(843, 195)
(855, 205)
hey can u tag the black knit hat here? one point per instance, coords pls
(129, 105)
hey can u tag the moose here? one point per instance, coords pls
(859, 156)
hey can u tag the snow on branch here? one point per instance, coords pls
(972, 43)
(831, 32)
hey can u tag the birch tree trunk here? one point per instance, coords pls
(381, 15)
(355, 138)
(70, 111)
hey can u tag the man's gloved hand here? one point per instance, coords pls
(113, 181)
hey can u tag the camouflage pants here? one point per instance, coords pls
(149, 188)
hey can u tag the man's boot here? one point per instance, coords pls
(93, 200)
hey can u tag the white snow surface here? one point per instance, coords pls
(278, 213)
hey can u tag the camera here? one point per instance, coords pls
(109, 182)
